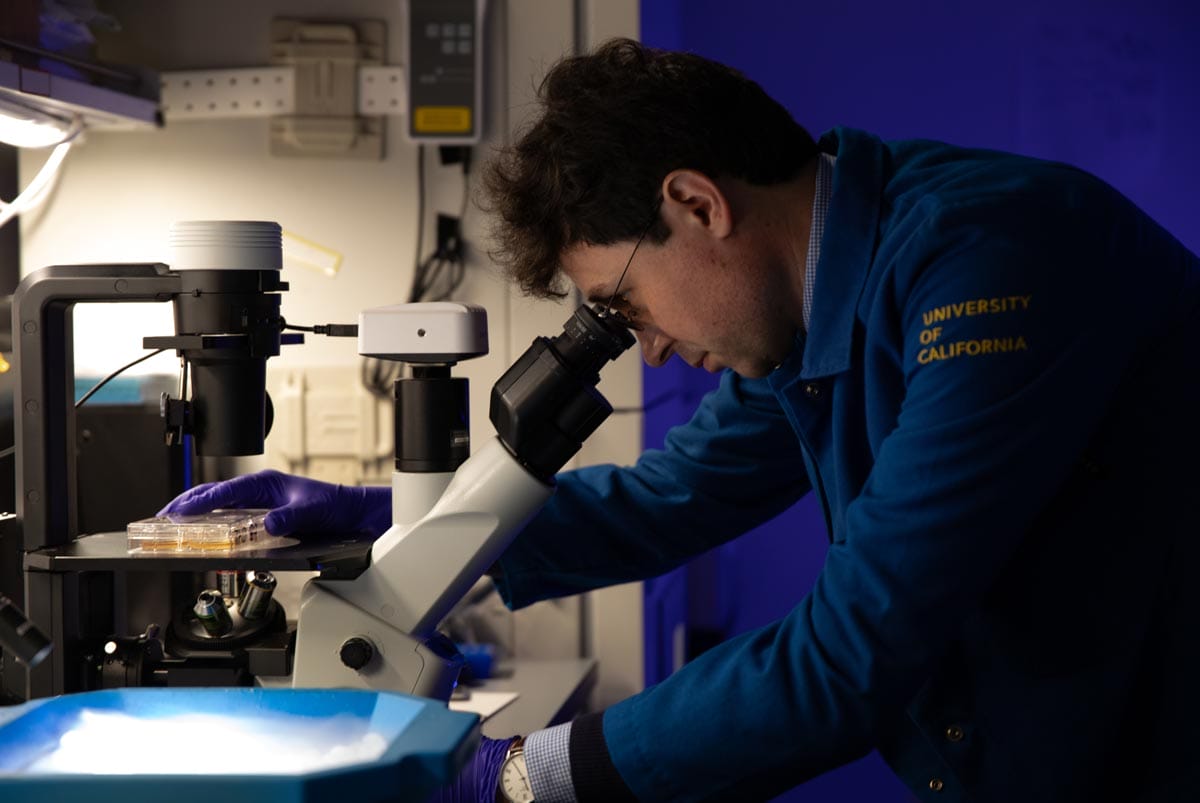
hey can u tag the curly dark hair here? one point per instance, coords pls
(614, 123)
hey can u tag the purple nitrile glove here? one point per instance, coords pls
(478, 781)
(298, 504)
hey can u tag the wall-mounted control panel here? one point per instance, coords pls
(444, 61)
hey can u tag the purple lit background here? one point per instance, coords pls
(1108, 85)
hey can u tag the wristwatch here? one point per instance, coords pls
(513, 785)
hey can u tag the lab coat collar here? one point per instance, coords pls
(847, 248)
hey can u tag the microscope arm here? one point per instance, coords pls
(379, 629)
(418, 572)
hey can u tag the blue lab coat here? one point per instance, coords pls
(997, 403)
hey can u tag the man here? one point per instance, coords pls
(986, 366)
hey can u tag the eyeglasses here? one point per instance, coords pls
(608, 310)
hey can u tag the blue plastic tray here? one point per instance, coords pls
(423, 745)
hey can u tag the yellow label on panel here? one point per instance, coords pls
(4, 365)
(442, 120)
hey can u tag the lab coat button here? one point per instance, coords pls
(936, 784)
(813, 390)
(954, 733)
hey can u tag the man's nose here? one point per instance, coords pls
(656, 347)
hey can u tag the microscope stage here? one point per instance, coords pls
(333, 556)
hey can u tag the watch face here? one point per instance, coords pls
(514, 780)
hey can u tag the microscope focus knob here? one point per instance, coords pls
(356, 653)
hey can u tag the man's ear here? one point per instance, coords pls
(692, 199)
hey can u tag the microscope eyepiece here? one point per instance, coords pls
(546, 404)
(591, 337)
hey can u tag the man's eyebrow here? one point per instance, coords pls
(598, 294)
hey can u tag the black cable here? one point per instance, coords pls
(421, 280)
(435, 277)
(418, 267)
(453, 280)
(113, 375)
(447, 263)
(459, 264)
(330, 329)
(379, 376)
(657, 401)
(466, 172)
(420, 203)
(437, 269)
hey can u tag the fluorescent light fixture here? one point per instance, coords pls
(25, 127)
(47, 106)
(39, 109)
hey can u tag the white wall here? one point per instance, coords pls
(119, 193)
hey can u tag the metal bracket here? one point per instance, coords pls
(381, 90)
(220, 94)
(326, 58)
(327, 81)
(268, 92)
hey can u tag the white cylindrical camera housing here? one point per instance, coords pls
(226, 245)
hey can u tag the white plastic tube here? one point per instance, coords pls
(38, 190)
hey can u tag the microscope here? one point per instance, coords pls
(453, 515)
(369, 617)
(224, 288)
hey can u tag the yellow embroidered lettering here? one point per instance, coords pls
(975, 306)
(970, 348)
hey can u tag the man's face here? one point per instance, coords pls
(715, 303)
